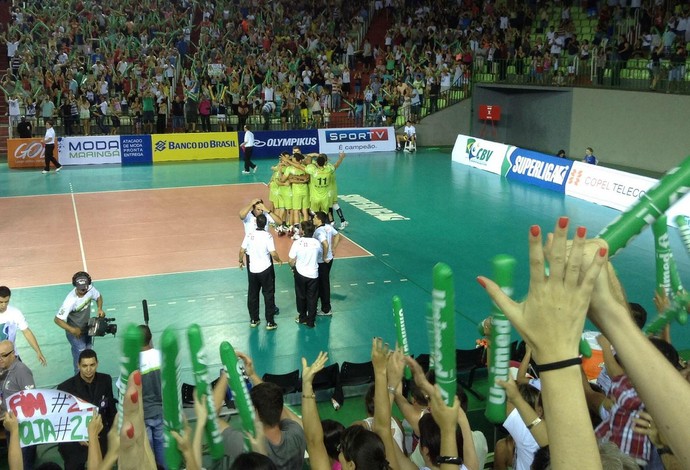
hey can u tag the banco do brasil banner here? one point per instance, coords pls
(269, 144)
(192, 147)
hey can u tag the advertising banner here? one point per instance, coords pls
(269, 144)
(483, 154)
(538, 169)
(26, 153)
(136, 149)
(358, 140)
(49, 416)
(193, 147)
(90, 150)
(605, 186)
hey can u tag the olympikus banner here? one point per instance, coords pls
(90, 150)
(48, 416)
(358, 140)
(25, 153)
(271, 143)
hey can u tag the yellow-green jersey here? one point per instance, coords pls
(320, 187)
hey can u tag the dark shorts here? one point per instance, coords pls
(148, 116)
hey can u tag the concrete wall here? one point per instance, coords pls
(643, 130)
(648, 131)
(441, 128)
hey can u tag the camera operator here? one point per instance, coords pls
(73, 316)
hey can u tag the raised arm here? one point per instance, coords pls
(313, 432)
(551, 320)
(645, 365)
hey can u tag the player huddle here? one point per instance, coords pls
(301, 184)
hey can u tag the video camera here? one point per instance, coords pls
(101, 326)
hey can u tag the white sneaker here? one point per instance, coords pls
(45, 172)
(245, 172)
(344, 224)
(256, 167)
(57, 170)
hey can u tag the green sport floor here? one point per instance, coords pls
(452, 213)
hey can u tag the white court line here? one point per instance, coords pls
(138, 189)
(76, 218)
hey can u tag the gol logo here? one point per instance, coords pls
(575, 176)
(29, 151)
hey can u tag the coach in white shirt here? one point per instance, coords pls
(304, 259)
(260, 248)
(329, 239)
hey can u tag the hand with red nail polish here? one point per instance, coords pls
(552, 317)
(135, 450)
(550, 320)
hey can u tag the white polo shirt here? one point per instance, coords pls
(410, 131)
(249, 139)
(249, 222)
(326, 232)
(259, 245)
(306, 252)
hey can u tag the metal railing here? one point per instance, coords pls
(634, 74)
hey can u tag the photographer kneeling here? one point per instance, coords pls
(73, 316)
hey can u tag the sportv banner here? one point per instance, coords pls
(359, 140)
(26, 153)
(483, 154)
(538, 169)
(136, 149)
(192, 147)
(605, 186)
(48, 416)
(89, 150)
(271, 143)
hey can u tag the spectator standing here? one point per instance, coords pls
(12, 320)
(178, 114)
(15, 377)
(24, 128)
(97, 389)
(152, 395)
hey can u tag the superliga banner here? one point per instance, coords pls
(358, 140)
(90, 150)
(25, 153)
(193, 147)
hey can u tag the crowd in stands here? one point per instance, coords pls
(292, 64)
(634, 418)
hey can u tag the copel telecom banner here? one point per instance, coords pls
(192, 147)
(359, 140)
